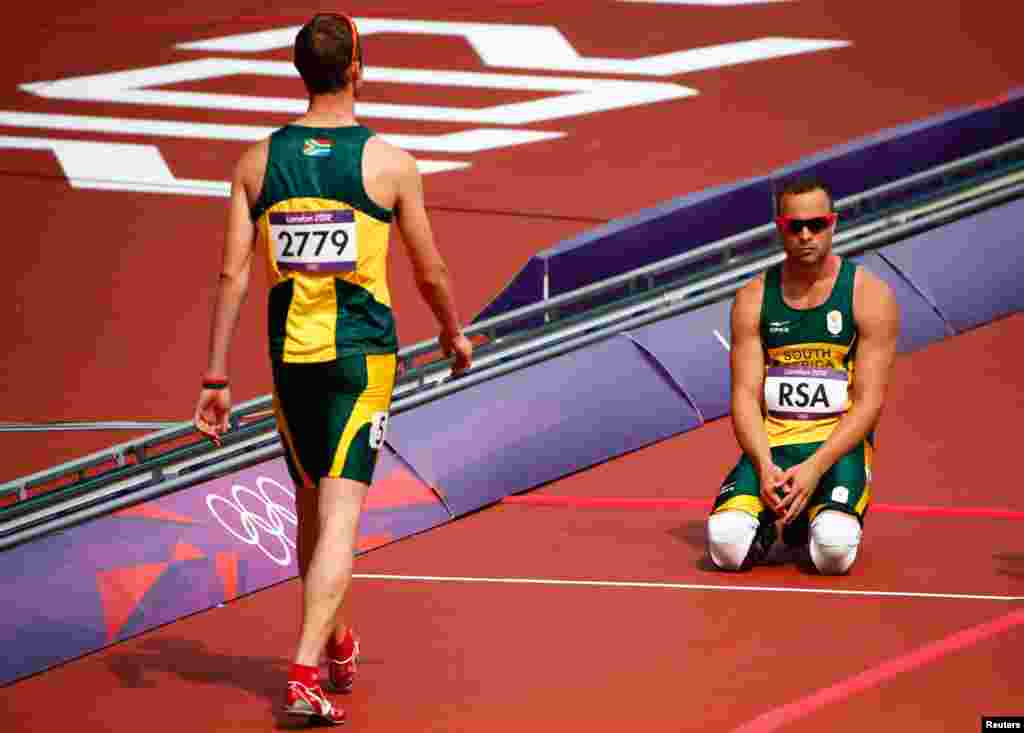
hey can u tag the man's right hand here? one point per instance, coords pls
(460, 347)
(771, 481)
(212, 413)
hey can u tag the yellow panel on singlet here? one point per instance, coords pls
(325, 242)
(318, 296)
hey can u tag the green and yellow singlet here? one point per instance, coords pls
(809, 361)
(326, 246)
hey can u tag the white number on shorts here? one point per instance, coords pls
(378, 429)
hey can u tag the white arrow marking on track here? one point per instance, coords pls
(580, 96)
(503, 45)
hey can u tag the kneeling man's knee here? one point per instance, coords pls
(835, 537)
(730, 535)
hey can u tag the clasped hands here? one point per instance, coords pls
(787, 492)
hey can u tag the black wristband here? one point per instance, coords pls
(215, 384)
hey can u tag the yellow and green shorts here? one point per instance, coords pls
(332, 416)
(845, 487)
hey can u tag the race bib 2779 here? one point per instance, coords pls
(314, 241)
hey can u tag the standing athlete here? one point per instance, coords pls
(803, 415)
(318, 198)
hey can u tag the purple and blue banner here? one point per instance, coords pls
(111, 578)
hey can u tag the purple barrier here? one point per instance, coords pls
(693, 348)
(663, 231)
(670, 229)
(526, 288)
(535, 425)
(903, 151)
(970, 270)
(920, 323)
(713, 214)
(111, 578)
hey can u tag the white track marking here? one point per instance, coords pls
(580, 95)
(501, 45)
(141, 168)
(679, 586)
(721, 339)
(466, 141)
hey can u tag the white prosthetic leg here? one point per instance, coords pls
(835, 537)
(730, 536)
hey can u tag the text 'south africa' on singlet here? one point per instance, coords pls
(809, 357)
(326, 246)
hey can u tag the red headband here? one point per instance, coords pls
(355, 39)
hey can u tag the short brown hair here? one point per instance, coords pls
(803, 185)
(325, 49)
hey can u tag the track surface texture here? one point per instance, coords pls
(109, 315)
(555, 617)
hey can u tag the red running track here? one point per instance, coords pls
(116, 326)
(557, 618)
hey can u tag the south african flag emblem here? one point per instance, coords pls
(317, 147)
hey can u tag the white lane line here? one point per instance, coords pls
(721, 339)
(679, 586)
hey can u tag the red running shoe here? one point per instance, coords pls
(312, 704)
(342, 672)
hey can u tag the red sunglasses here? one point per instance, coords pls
(816, 224)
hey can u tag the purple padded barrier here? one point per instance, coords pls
(908, 149)
(535, 425)
(713, 214)
(920, 323)
(526, 288)
(669, 229)
(678, 226)
(688, 348)
(972, 269)
(110, 578)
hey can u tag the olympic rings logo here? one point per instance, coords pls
(251, 527)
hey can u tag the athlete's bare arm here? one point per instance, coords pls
(878, 323)
(746, 357)
(214, 406)
(429, 268)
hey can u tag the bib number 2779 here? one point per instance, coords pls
(315, 241)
